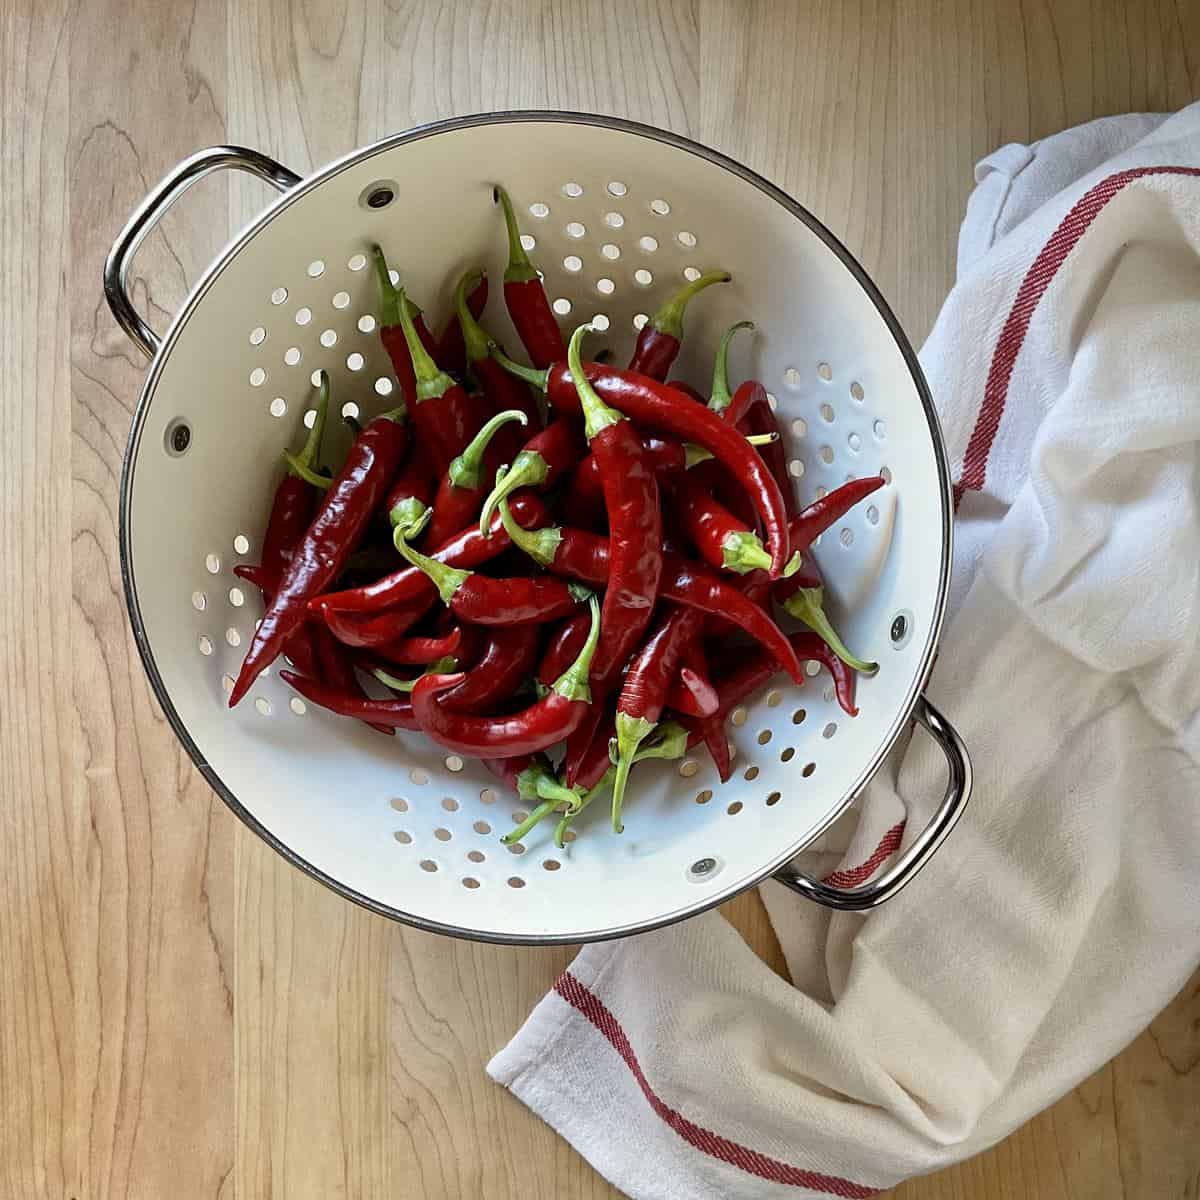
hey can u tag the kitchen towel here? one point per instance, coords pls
(1064, 910)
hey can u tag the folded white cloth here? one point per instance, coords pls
(1064, 911)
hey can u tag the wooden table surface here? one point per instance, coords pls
(181, 1013)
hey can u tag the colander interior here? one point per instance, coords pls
(616, 218)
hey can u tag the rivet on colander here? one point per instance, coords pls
(704, 869)
(899, 628)
(380, 197)
(179, 437)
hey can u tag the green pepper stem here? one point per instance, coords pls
(540, 544)
(310, 454)
(807, 605)
(301, 471)
(669, 741)
(597, 416)
(475, 338)
(573, 682)
(390, 297)
(721, 397)
(742, 552)
(431, 380)
(467, 469)
(519, 269)
(669, 318)
(446, 579)
(531, 375)
(548, 788)
(598, 789)
(693, 454)
(631, 732)
(440, 666)
(536, 817)
(529, 469)
(408, 513)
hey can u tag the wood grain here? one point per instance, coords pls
(182, 1013)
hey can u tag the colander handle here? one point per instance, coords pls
(151, 211)
(958, 792)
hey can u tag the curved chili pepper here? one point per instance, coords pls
(389, 714)
(329, 540)
(462, 488)
(541, 463)
(667, 458)
(507, 659)
(411, 492)
(585, 556)
(803, 597)
(502, 390)
(562, 648)
(759, 418)
(486, 601)
(644, 693)
(809, 523)
(724, 542)
(537, 727)
(658, 342)
(525, 297)
(635, 536)
(407, 586)
(393, 303)
(373, 630)
(452, 346)
(336, 671)
(660, 407)
(597, 758)
(721, 401)
(693, 692)
(459, 644)
(686, 388)
(445, 415)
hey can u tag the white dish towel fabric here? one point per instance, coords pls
(1064, 911)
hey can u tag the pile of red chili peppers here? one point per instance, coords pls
(586, 560)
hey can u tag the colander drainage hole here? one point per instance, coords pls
(399, 804)
(258, 377)
(205, 646)
(885, 473)
(297, 706)
(734, 808)
(263, 705)
(809, 768)
(704, 797)
(482, 827)
(427, 864)
(691, 274)
(788, 754)
(470, 882)
(639, 322)
(872, 515)
(453, 763)
(572, 190)
(350, 410)
(562, 306)
(688, 768)
(539, 210)
(241, 544)
(303, 316)
(419, 776)
(750, 774)
(280, 294)
(551, 864)
(233, 637)
(357, 262)
(660, 207)
(341, 299)
(856, 390)
(824, 371)
(812, 667)
(773, 799)
(236, 597)
(528, 241)
(199, 601)
(450, 804)
(442, 835)
(488, 795)
(383, 386)
(686, 239)
(366, 323)
(476, 856)
(614, 220)
(617, 188)
(515, 881)
(600, 323)
(316, 268)
(516, 848)
(798, 716)
(647, 244)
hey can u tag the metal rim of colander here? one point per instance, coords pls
(307, 184)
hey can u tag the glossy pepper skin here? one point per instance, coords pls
(645, 690)
(333, 535)
(390, 714)
(508, 658)
(525, 297)
(411, 492)
(471, 548)
(482, 600)
(542, 461)
(658, 341)
(562, 648)
(501, 390)
(661, 407)
(445, 415)
(535, 728)
(468, 479)
(723, 541)
(812, 521)
(635, 536)
(693, 692)
(758, 418)
(585, 556)
(336, 672)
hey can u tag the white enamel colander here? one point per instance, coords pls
(616, 215)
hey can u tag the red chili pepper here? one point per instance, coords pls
(336, 670)
(452, 347)
(724, 542)
(585, 556)
(686, 388)
(467, 479)
(445, 415)
(803, 597)
(537, 727)
(759, 418)
(330, 539)
(411, 492)
(486, 601)
(392, 303)
(635, 534)
(658, 342)
(711, 731)
(508, 658)
(471, 548)
(660, 407)
(562, 648)
(644, 692)
(597, 758)
(541, 463)
(374, 630)
(693, 692)
(525, 297)
(502, 390)
(812, 521)
(725, 405)
(389, 714)
(459, 643)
